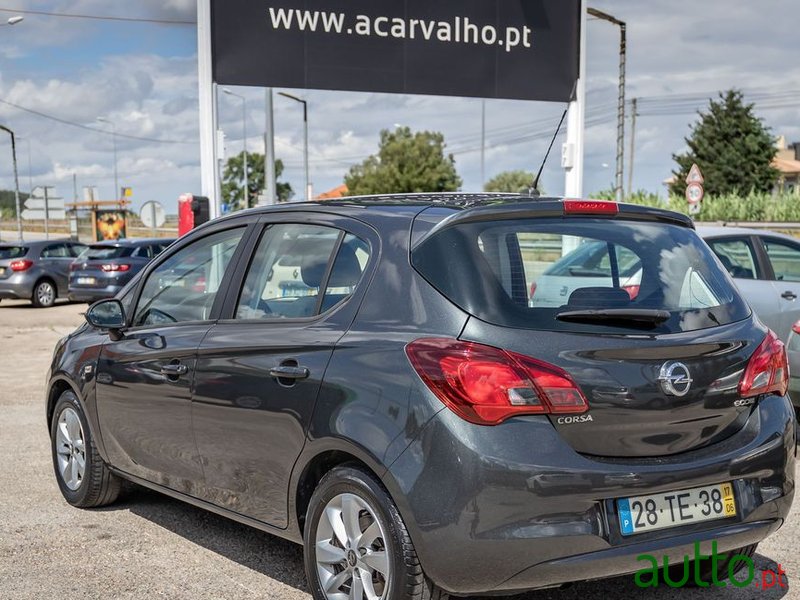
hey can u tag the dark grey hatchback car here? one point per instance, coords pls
(368, 378)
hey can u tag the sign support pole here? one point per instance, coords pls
(270, 183)
(573, 148)
(209, 166)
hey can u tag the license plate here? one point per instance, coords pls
(639, 514)
(86, 280)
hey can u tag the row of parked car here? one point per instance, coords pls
(43, 271)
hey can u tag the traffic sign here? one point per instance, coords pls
(695, 175)
(695, 193)
(33, 214)
(38, 203)
(152, 214)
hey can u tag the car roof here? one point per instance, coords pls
(133, 242)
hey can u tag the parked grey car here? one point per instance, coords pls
(37, 271)
(402, 411)
(766, 268)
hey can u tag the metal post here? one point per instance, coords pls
(270, 183)
(633, 145)
(246, 175)
(16, 180)
(153, 219)
(305, 150)
(483, 143)
(46, 215)
(573, 151)
(209, 166)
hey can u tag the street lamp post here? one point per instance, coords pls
(114, 142)
(305, 138)
(30, 169)
(244, 133)
(16, 180)
(623, 49)
(13, 21)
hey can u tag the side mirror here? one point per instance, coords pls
(107, 314)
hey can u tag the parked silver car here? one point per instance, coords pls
(37, 271)
(766, 268)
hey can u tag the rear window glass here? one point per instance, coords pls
(528, 273)
(13, 251)
(106, 252)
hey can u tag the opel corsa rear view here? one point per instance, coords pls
(375, 380)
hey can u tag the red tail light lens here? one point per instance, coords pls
(533, 290)
(486, 385)
(112, 268)
(796, 327)
(74, 266)
(590, 207)
(21, 265)
(768, 370)
(633, 290)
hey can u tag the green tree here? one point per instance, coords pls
(514, 182)
(233, 180)
(406, 163)
(732, 147)
(8, 205)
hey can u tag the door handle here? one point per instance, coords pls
(789, 295)
(289, 372)
(174, 370)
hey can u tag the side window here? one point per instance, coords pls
(184, 286)
(143, 252)
(736, 256)
(785, 259)
(56, 251)
(351, 260)
(76, 250)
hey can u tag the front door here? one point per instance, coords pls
(259, 372)
(784, 257)
(144, 380)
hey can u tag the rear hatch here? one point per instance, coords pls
(12, 259)
(657, 366)
(98, 265)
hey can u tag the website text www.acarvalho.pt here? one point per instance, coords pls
(459, 30)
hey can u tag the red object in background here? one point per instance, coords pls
(185, 214)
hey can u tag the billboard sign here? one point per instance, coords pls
(515, 49)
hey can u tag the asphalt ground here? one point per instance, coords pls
(150, 546)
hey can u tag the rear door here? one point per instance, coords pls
(259, 370)
(654, 387)
(55, 259)
(739, 255)
(144, 380)
(784, 259)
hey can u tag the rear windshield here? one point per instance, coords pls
(13, 251)
(525, 273)
(106, 252)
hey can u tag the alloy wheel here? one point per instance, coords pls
(45, 293)
(70, 449)
(352, 558)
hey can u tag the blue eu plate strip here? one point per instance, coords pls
(625, 519)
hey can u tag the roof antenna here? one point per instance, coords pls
(534, 191)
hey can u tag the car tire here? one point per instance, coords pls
(44, 294)
(676, 572)
(331, 555)
(71, 444)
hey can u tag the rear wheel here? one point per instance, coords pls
(83, 478)
(44, 294)
(356, 544)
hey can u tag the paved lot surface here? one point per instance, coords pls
(149, 546)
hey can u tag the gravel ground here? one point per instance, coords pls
(150, 546)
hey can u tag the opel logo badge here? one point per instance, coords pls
(675, 379)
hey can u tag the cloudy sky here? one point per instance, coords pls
(58, 74)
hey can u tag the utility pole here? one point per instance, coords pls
(633, 144)
(623, 51)
(270, 184)
(46, 215)
(16, 179)
(483, 144)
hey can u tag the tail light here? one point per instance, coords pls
(485, 385)
(633, 290)
(533, 290)
(74, 266)
(768, 370)
(113, 268)
(21, 265)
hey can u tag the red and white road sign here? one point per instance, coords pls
(695, 193)
(695, 175)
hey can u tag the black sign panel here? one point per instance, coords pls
(519, 49)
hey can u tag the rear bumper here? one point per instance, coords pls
(513, 507)
(78, 294)
(18, 286)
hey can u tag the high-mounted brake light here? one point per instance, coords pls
(767, 371)
(590, 207)
(21, 265)
(486, 385)
(113, 267)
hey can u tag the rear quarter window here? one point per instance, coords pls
(12, 252)
(106, 252)
(525, 273)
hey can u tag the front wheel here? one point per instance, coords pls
(83, 478)
(356, 544)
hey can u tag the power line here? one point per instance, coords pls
(93, 129)
(98, 17)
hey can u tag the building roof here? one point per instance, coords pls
(335, 193)
(787, 166)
